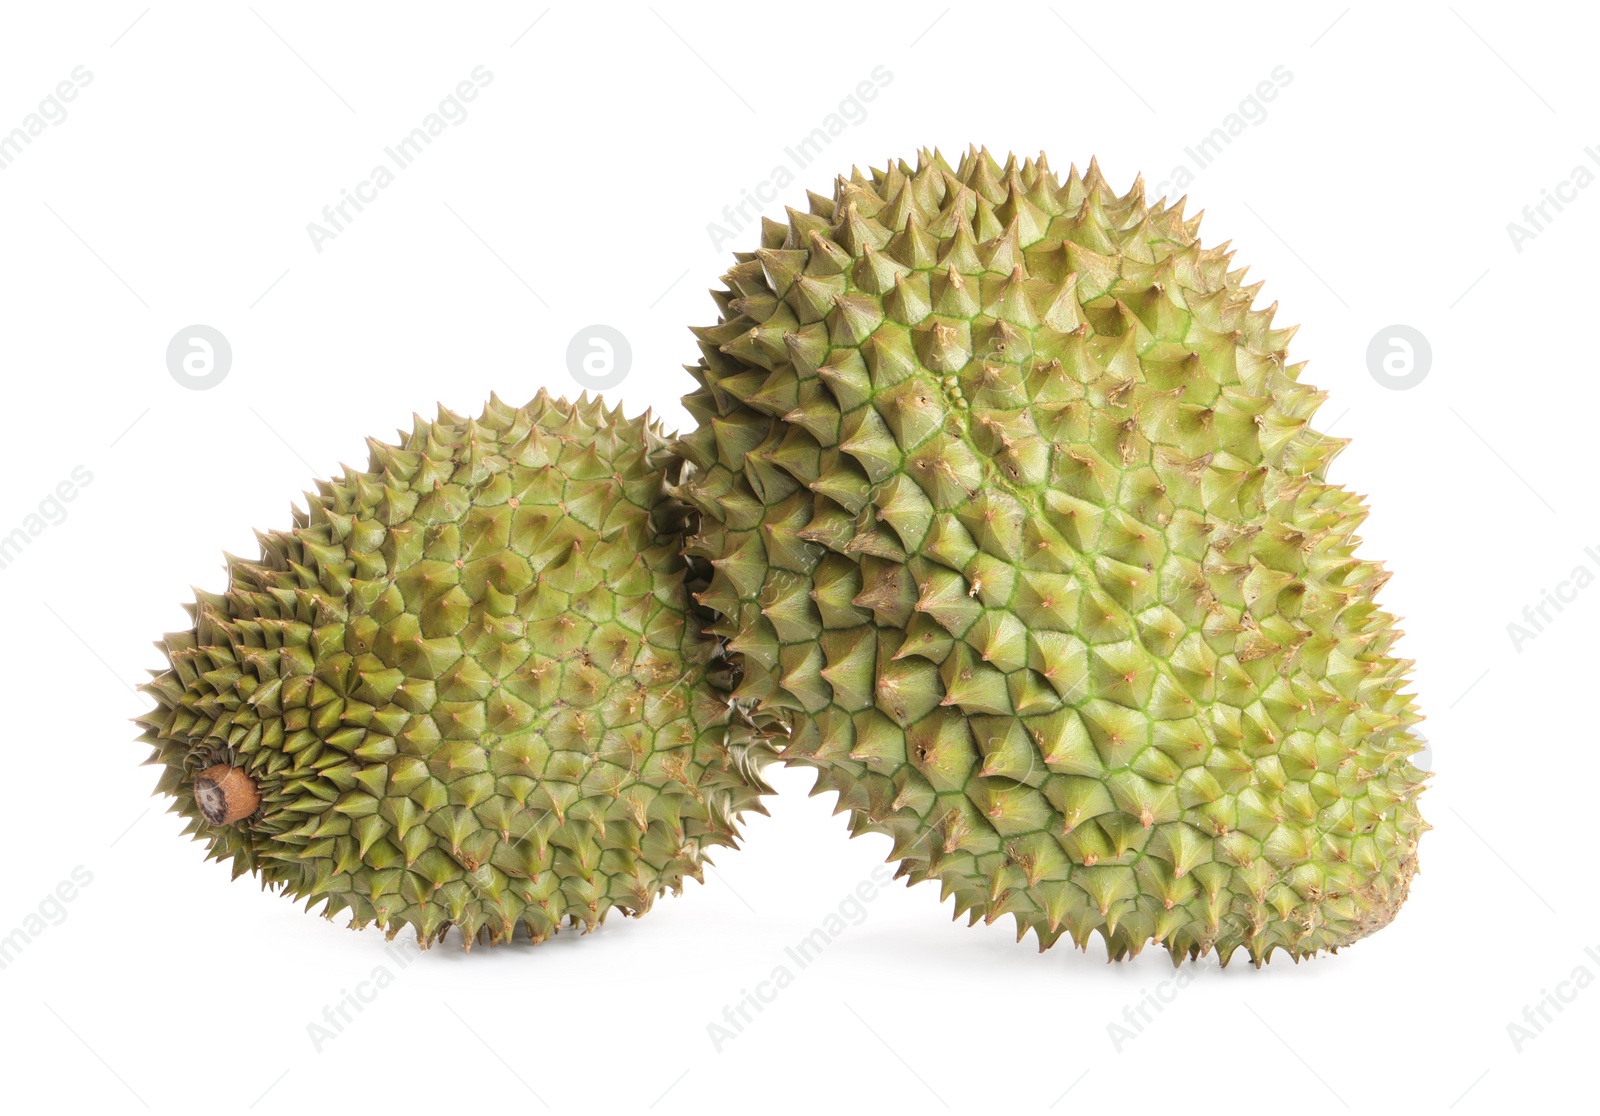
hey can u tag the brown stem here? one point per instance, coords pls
(225, 794)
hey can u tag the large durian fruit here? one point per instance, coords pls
(466, 689)
(1017, 515)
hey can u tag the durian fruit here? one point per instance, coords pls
(466, 689)
(1016, 513)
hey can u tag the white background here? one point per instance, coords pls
(177, 191)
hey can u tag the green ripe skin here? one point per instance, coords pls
(1017, 517)
(468, 686)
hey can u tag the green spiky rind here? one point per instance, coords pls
(470, 685)
(1015, 511)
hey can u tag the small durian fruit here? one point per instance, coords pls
(467, 688)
